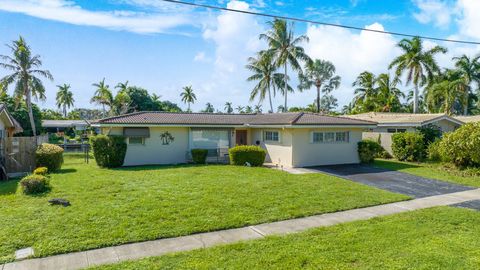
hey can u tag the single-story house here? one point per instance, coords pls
(291, 139)
(408, 122)
(468, 118)
(8, 125)
(54, 126)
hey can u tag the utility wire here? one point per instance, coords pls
(318, 22)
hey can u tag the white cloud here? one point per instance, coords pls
(351, 53)
(201, 57)
(436, 11)
(469, 18)
(69, 12)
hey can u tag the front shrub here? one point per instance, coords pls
(433, 151)
(430, 133)
(462, 146)
(240, 155)
(368, 150)
(34, 184)
(408, 146)
(50, 156)
(109, 151)
(199, 156)
(41, 171)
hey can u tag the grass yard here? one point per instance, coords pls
(111, 207)
(437, 238)
(429, 170)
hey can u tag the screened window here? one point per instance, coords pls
(341, 137)
(317, 137)
(329, 137)
(210, 139)
(396, 130)
(136, 140)
(271, 136)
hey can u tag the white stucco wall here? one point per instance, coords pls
(446, 126)
(279, 153)
(153, 151)
(307, 153)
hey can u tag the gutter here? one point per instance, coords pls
(233, 126)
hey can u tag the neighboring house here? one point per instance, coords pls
(403, 122)
(468, 118)
(8, 125)
(291, 139)
(54, 126)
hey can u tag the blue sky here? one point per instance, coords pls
(163, 47)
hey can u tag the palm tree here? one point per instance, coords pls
(420, 65)
(365, 92)
(188, 96)
(103, 96)
(228, 107)
(240, 109)
(470, 72)
(64, 98)
(248, 109)
(122, 86)
(388, 93)
(263, 69)
(209, 108)
(319, 73)
(25, 68)
(156, 98)
(447, 92)
(285, 48)
(257, 108)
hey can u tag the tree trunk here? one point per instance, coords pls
(104, 111)
(64, 111)
(188, 107)
(318, 97)
(270, 99)
(465, 103)
(415, 99)
(30, 112)
(285, 109)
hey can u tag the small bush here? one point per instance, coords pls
(433, 151)
(462, 146)
(34, 184)
(408, 146)
(109, 151)
(50, 156)
(41, 171)
(240, 155)
(368, 150)
(199, 156)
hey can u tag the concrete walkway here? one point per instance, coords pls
(79, 260)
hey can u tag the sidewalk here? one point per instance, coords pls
(79, 260)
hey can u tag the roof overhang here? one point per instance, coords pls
(99, 125)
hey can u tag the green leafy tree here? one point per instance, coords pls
(365, 93)
(141, 100)
(103, 96)
(285, 49)
(248, 109)
(188, 96)
(419, 64)
(240, 109)
(209, 108)
(389, 95)
(20, 112)
(447, 92)
(469, 69)
(321, 74)
(64, 98)
(328, 104)
(228, 107)
(51, 114)
(25, 74)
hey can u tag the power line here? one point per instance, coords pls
(318, 22)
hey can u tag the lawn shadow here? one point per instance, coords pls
(9, 187)
(64, 171)
(394, 165)
(162, 167)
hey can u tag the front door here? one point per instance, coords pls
(241, 137)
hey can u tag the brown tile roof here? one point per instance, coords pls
(167, 118)
(468, 118)
(404, 118)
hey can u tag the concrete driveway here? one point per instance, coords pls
(398, 182)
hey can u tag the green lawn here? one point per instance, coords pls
(437, 238)
(429, 170)
(111, 207)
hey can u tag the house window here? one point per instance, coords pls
(271, 136)
(317, 137)
(396, 130)
(136, 140)
(330, 137)
(210, 138)
(341, 137)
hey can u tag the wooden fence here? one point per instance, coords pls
(19, 153)
(384, 137)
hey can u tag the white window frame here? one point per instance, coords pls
(142, 143)
(334, 139)
(271, 131)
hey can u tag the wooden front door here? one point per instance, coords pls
(241, 137)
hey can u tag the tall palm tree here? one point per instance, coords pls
(447, 92)
(188, 96)
(25, 68)
(365, 92)
(285, 48)
(64, 98)
(419, 65)
(228, 107)
(389, 94)
(470, 71)
(103, 96)
(319, 73)
(122, 86)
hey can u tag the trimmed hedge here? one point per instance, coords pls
(368, 150)
(41, 171)
(109, 151)
(433, 151)
(50, 156)
(240, 155)
(408, 146)
(462, 147)
(34, 184)
(199, 156)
